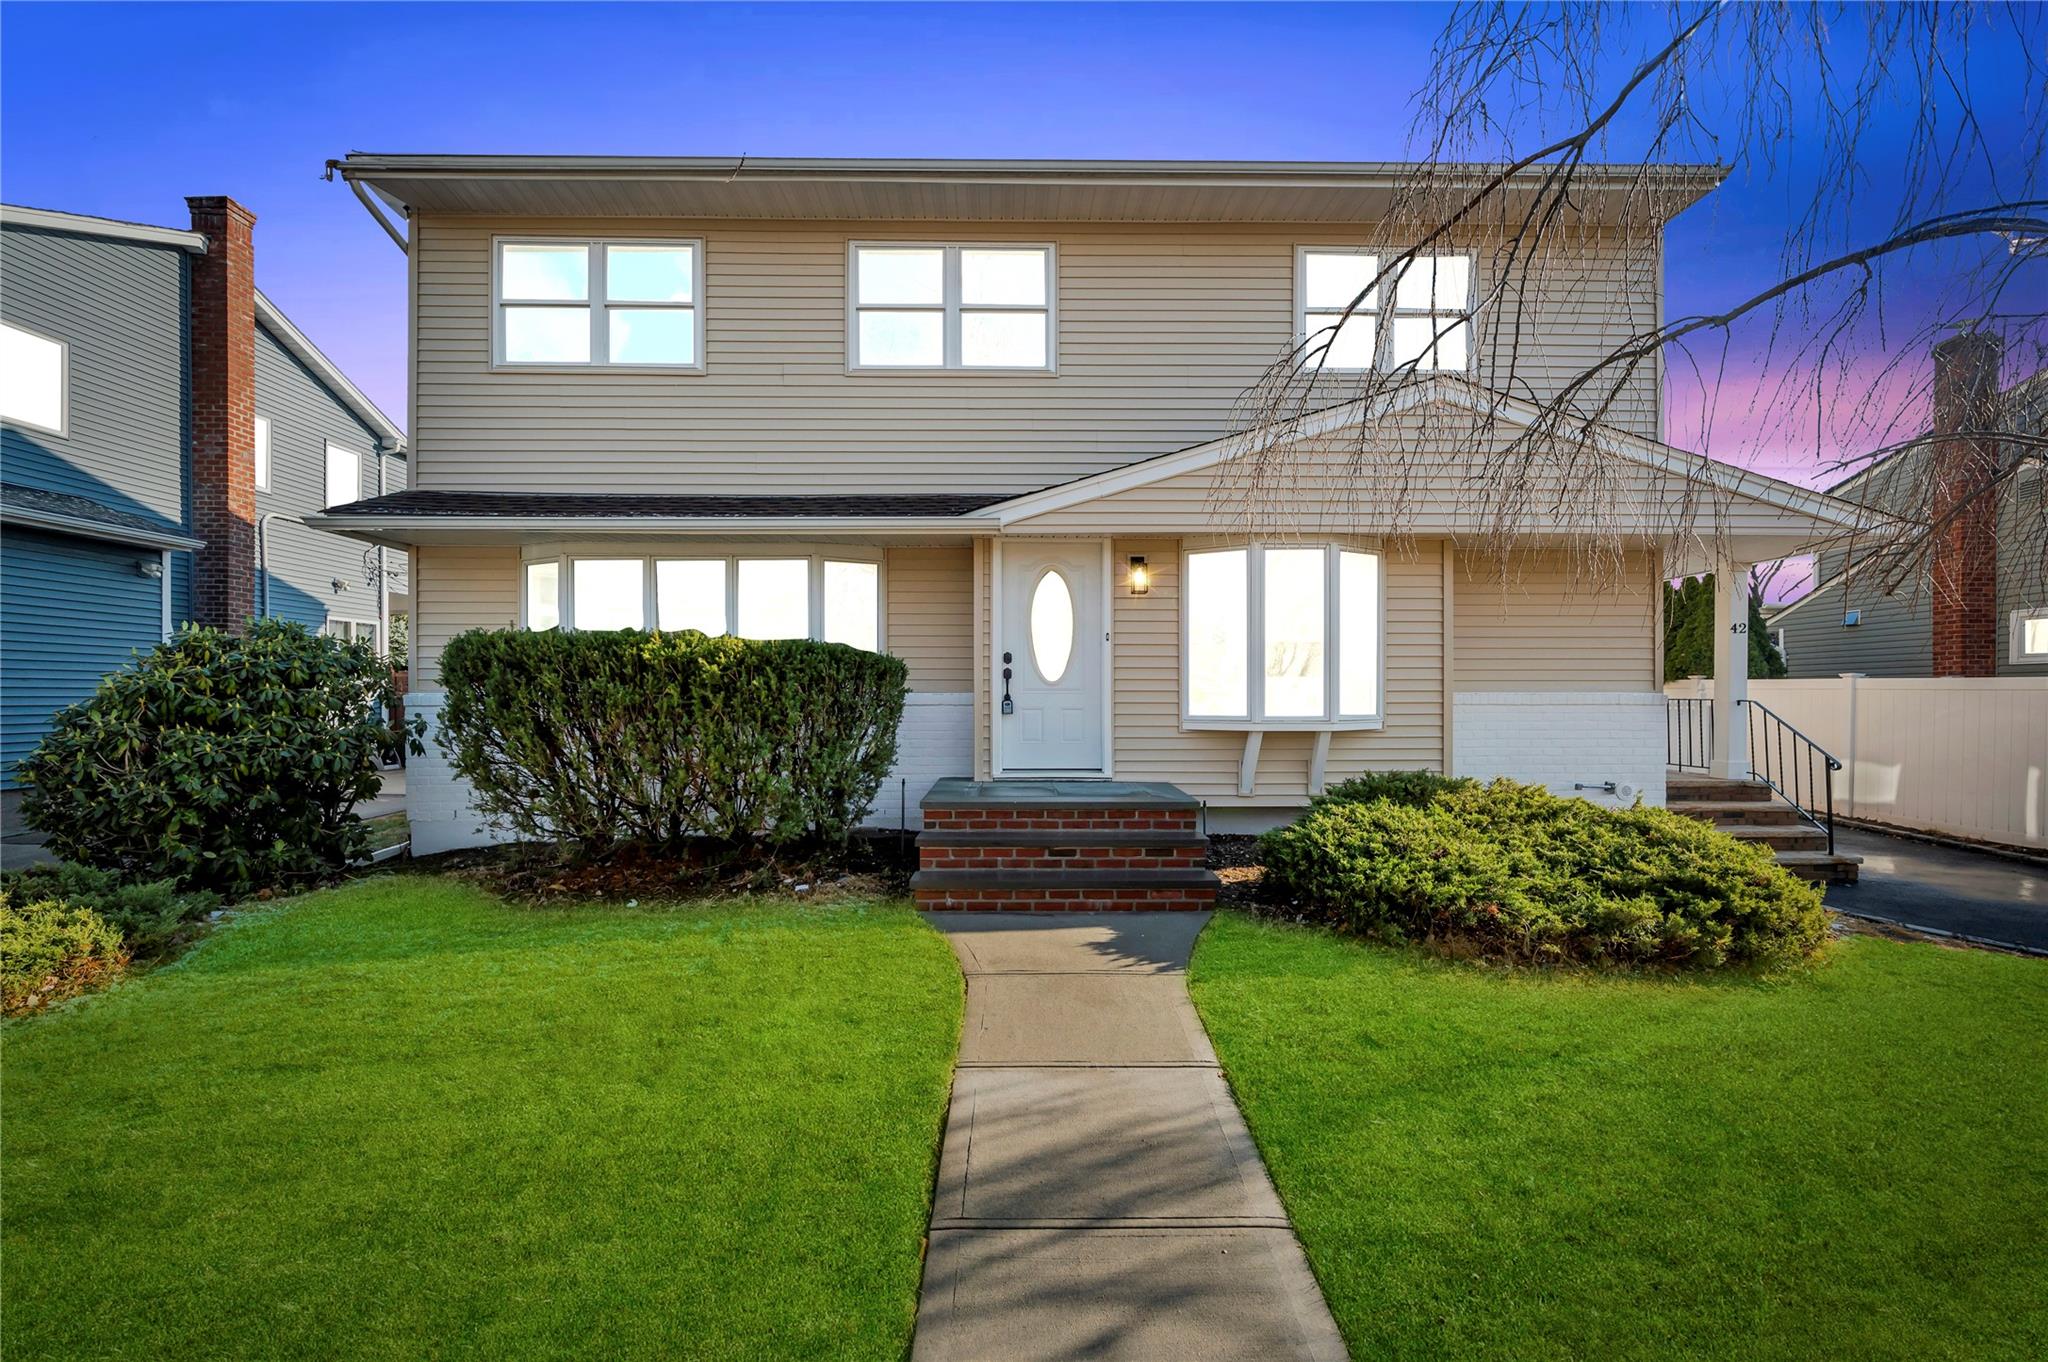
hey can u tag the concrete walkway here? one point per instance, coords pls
(1098, 1193)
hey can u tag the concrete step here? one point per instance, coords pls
(1797, 837)
(1821, 866)
(1736, 812)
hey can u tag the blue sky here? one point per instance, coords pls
(250, 100)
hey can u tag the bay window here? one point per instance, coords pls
(766, 595)
(918, 306)
(1429, 325)
(1281, 636)
(598, 303)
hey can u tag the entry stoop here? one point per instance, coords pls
(1748, 811)
(1082, 846)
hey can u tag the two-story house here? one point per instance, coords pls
(980, 414)
(164, 430)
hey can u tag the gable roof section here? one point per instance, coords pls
(81, 224)
(325, 369)
(1462, 394)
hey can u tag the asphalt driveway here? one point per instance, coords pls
(1966, 893)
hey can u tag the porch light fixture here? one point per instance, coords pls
(152, 568)
(1140, 578)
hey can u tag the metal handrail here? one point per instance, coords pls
(1688, 733)
(1796, 781)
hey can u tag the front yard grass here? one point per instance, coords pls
(1847, 1160)
(404, 1119)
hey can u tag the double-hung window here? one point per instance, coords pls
(766, 595)
(2030, 636)
(598, 303)
(1428, 326)
(916, 306)
(1282, 636)
(34, 377)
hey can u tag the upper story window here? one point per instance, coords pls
(1429, 325)
(1286, 636)
(838, 599)
(598, 303)
(2030, 636)
(344, 476)
(34, 375)
(917, 306)
(263, 454)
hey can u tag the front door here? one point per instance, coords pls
(1049, 657)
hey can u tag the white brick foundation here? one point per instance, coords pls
(1559, 738)
(935, 740)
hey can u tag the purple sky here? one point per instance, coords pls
(250, 100)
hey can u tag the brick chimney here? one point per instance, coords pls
(224, 413)
(1964, 554)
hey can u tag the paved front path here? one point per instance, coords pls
(1098, 1193)
(1950, 889)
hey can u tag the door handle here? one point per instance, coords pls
(1009, 705)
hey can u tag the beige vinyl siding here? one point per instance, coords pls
(455, 590)
(931, 615)
(1160, 331)
(1535, 628)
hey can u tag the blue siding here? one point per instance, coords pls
(71, 610)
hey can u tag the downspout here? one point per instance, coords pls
(263, 559)
(383, 572)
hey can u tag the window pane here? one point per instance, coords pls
(344, 476)
(1439, 282)
(262, 453)
(1218, 612)
(653, 335)
(31, 379)
(901, 276)
(1002, 340)
(1293, 645)
(689, 593)
(649, 274)
(611, 593)
(1052, 626)
(1412, 337)
(547, 335)
(902, 338)
(853, 600)
(2035, 644)
(543, 595)
(1003, 277)
(545, 273)
(775, 598)
(1333, 279)
(1358, 633)
(1351, 348)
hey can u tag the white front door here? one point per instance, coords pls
(1049, 655)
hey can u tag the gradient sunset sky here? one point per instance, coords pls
(122, 111)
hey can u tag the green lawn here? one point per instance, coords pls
(1849, 1161)
(404, 1120)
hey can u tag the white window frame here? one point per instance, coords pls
(327, 472)
(1386, 307)
(63, 427)
(263, 435)
(1255, 605)
(598, 303)
(565, 556)
(2017, 645)
(950, 305)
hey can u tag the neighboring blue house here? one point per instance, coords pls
(163, 430)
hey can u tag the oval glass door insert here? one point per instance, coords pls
(1052, 625)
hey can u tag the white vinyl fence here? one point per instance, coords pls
(1965, 756)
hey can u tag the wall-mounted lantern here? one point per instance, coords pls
(152, 568)
(1140, 578)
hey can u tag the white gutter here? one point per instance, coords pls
(394, 528)
(83, 528)
(14, 215)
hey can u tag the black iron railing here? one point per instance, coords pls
(1688, 733)
(1797, 767)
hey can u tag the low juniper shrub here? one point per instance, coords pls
(1514, 872)
(51, 950)
(740, 749)
(153, 919)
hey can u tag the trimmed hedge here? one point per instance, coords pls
(1521, 874)
(604, 739)
(51, 950)
(218, 761)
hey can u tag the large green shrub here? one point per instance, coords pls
(1413, 788)
(151, 918)
(51, 950)
(601, 739)
(218, 761)
(1519, 873)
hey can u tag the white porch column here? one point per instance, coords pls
(1731, 668)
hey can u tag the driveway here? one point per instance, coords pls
(1965, 893)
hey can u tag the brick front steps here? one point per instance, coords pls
(1748, 811)
(1061, 846)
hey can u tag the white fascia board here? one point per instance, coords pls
(699, 525)
(83, 528)
(14, 215)
(296, 341)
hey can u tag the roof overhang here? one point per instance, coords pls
(84, 527)
(407, 531)
(80, 224)
(309, 354)
(981, 190)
